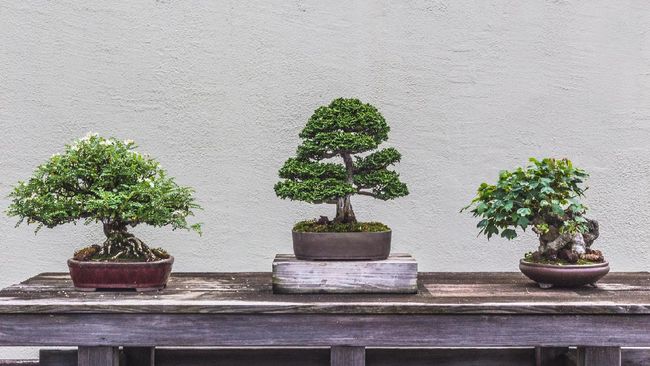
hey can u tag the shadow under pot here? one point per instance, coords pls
(141, 276)
(549, 275)
(341, 246)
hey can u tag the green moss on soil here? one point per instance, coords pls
(91, 253)
(559, 262)
(311, 226)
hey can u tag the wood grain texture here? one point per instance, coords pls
(98, 356)
(250, 293)
(139, 330)
(347, 356)
(598, 356)
(397, 275)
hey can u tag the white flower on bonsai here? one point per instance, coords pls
(103, 180)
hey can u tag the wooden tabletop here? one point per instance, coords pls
(250, 293)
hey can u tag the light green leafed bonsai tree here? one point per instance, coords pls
(343, 129)
(544, 196)
(104, 180)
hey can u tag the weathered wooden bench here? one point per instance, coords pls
(239, 310)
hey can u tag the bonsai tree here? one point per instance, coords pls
(545, 197)
(104, 180)
(343, 129)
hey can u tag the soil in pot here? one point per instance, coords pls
(324, 240)
(564, 268)
(91, 271)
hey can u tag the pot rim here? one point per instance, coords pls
(341, 232)
(169, 260)
(564, 266)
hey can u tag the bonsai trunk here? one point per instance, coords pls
(344, 211)
(120, 244)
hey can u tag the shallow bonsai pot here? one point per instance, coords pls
(342, 246)
(549, 275)
(141, 276)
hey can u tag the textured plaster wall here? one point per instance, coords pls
(218, 91)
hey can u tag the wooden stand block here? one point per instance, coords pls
(397, 274)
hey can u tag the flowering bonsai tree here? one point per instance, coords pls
(343, 129)
(104, 180)
(545, 197)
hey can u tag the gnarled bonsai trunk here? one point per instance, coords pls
(120, 244)
(569, 246)
(344, 211)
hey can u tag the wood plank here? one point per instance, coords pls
(323, 330)
(347, 356)
(98, 356)
(599, 356)
(250, 293)
(396, 275)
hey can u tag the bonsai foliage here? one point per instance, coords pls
(104, 180)
(544, 196)
(343, 129)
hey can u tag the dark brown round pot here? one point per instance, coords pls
(549, 275)
(341, 246)
(141, 276)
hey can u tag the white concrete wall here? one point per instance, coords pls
(218, 91)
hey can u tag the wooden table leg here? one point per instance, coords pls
(347, 356)
(599, 356)
(98, 356)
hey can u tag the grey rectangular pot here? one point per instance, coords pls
(342, 246)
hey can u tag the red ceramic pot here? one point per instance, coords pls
(549, 275)
(141, 276)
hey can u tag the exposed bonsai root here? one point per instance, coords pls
(86, 254)
(121, 246)
(593, 255)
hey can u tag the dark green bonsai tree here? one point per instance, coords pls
(104, 180)
(343, 129)
(544, 196)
